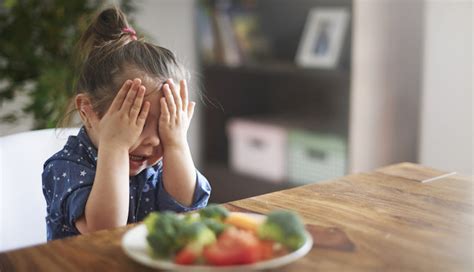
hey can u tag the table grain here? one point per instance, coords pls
(389, 219)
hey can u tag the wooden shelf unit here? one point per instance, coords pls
(276, 87)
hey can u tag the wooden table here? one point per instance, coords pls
(385, 220)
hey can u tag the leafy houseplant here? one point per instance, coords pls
(37, 51)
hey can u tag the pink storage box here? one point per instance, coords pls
(258, 149)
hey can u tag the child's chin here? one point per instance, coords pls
(134, 172)
(137, 169)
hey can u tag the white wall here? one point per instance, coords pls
(446, 136)
(386, 82)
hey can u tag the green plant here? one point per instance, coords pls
(37, 53)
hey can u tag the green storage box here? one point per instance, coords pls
(314, 157)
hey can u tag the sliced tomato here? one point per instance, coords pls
(266, 249)
(186, 256)
(233, 247)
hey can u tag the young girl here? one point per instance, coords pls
(131, 156)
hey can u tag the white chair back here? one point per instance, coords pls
(22, 204)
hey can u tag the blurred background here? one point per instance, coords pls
(289, 91)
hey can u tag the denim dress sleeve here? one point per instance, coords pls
(201, 195)
(66, 186)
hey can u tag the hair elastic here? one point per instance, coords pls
(130, 31)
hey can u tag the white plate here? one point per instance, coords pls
(135, 246)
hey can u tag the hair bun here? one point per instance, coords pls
(105, 29)
(109, 24)
(112, 20)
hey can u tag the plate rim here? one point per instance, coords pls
(168, 265)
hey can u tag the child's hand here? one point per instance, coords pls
(176, 115)
(123, 122)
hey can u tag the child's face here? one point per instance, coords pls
(147, 151)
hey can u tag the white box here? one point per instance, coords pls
(258, 149)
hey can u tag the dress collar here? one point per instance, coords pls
(84, 139)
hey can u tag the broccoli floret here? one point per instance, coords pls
(213, 211)
(196, 235)
(191, 218)
(150, 221)
(216, 226)
(168, 233)
(163, 228)
(284, 227)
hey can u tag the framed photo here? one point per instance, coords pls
(323, 37)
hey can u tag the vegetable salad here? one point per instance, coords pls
(215, 236)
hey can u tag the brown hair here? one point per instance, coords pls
(107, 52)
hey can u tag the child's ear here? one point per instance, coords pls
(82, 102)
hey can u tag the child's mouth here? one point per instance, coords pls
(137, 158)
(136, 161)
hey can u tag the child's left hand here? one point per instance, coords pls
(176, 114)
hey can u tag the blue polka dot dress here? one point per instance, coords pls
(68, 177)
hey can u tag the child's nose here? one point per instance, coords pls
(151, 137)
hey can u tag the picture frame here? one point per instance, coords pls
(323, 37)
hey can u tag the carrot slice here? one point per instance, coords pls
(243, 221)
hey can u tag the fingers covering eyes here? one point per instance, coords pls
(143, 114)
(170, 100)
(118, 100)
(191, 107)
(175, 94)
(137, 104)
(130, 98)
(165, 113)
(184, 94)
(176, 102)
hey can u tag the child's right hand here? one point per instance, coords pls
(123, 122)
